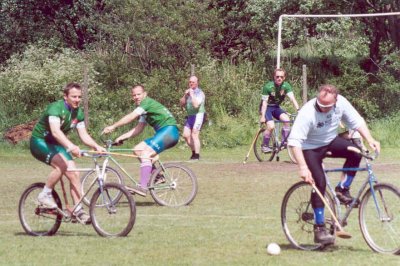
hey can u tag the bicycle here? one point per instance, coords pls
(276, 143)
(171, 184)
(111, 216)
(379, 210)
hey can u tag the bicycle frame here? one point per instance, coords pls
(370, 180)
(99, 180)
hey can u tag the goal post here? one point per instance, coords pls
(281, 17)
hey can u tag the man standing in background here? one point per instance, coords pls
(193, 101)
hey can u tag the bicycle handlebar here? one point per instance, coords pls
(363, 153)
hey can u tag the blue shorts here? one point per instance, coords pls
(273, 111)
(45, 152)
(195, 121)
(165, 138)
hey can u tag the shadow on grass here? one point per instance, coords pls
(328, 248)
(146, 203)
(60, 233)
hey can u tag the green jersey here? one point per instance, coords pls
(199, 95)
(69, 119)
(276, 94)
(155, 114)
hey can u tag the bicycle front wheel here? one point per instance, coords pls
(110, 176)
(173, 185)
(37, 220)
(112, 218)
(261, 155)
(379, 218)
(297, 217)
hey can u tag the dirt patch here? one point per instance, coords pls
(19, 132)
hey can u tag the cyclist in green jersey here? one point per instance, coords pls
(50, 145)
(151, 112)
(273, 94)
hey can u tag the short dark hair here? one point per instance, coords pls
(328, 88)
(280, 69)
(70, 86)
(138, 86)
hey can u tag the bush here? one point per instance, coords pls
(35, 78)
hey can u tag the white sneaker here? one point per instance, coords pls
(265, 149)
(47, 200)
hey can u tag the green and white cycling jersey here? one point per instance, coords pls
(199, 95)
(275, 94)
(155, 114)
(58, 111)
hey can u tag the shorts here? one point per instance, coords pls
(195, 121)
(273, 111)
(165, 138)
(45, 152)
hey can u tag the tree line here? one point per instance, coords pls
(232, 43)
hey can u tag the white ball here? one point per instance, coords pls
(273, 249)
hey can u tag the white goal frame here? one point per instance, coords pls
(281, 17)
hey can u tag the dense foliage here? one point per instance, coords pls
(231, 45)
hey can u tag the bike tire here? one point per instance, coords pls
(111, 176)
(111, 218)
(297, 217)
(179, 187)
(36, 220)
(260, 155)
(381, 230)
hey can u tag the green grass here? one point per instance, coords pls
(234, 216)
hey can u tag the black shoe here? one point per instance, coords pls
(195, 157)
(343, 195)
(322, 236)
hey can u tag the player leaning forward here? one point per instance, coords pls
(147, 111)
(50, 145)
(314, 134)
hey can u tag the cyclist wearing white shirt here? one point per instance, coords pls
(314, 133)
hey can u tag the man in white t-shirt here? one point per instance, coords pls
(314, 133)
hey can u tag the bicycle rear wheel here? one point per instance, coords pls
(173, 185)
(36, 220)
(380, 220)
(110, 176)
(257, 148)
(111, 217)
(297, 217)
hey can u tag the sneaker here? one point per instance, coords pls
(322, 236)
(266, 149)
(195, 157)
(343, 195)
(47, 200)
(137, 190)
(160, 179)
(82, 217)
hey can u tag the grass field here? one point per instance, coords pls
(235, 215)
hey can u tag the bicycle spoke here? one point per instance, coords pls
(111, 217)
(179, 188)
(379, 221)
(36, 220)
